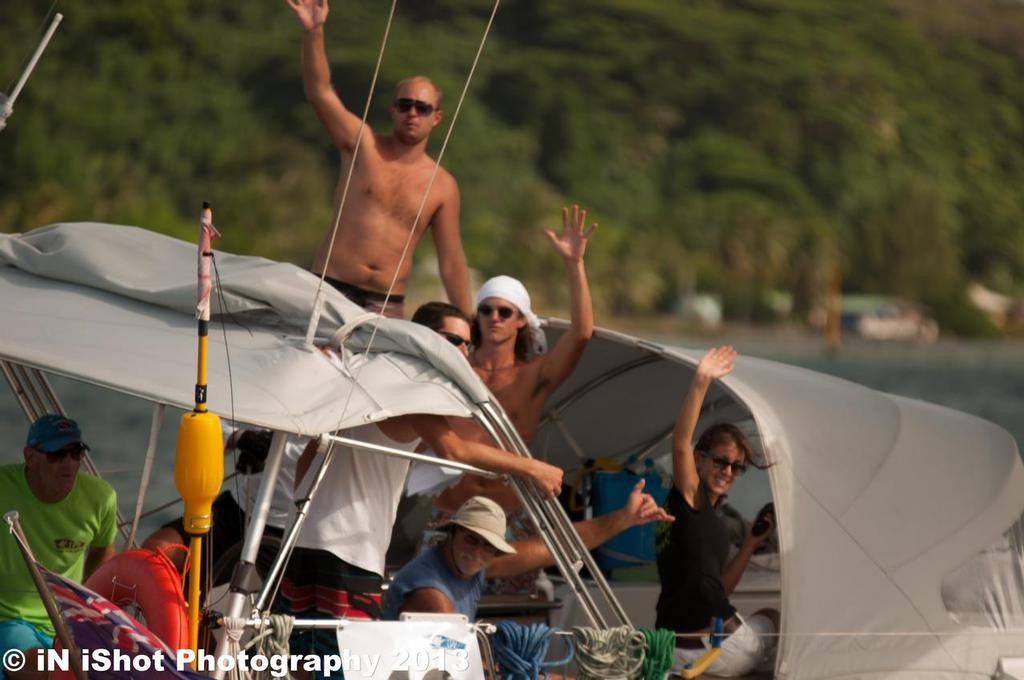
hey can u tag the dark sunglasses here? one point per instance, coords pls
(75, 451)
(724, 463)
(455, 339)
(503, 312)
(403, 104)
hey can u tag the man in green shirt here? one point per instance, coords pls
(69, 519)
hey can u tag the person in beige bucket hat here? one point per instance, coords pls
(486, 519)
(449, 577)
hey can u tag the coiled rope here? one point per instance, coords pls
(520, 650)
(273, 641)
(660, 654)
(612, 654)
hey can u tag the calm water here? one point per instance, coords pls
(985, 379)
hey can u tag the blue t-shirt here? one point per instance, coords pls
(429, 570)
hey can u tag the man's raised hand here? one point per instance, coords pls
(573, 242)
(310, 13)
(641, 508)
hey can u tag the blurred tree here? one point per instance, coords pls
(738, 144)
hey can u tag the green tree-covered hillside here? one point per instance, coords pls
(728, 146)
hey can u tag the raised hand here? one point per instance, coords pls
(717, 362)
(311, 13)
(641, 508)
(573, 242)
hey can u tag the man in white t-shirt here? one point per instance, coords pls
(337, 567)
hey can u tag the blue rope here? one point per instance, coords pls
(520, 650)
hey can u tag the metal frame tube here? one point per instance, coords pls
(302, 505)
(560, 538)
(32, 62)
(261, 504)
(147, 469)
(584, 389)
(16, 378)
(564, 534)
(409, 455)
(254, 531)
(6, 369)
(288, 544)
(525, 492)
(38, 394)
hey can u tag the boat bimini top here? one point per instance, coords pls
(902, 546)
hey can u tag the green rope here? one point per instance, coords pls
(661, 645)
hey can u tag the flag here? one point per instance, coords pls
(95, 624)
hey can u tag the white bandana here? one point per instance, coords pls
(507, 288)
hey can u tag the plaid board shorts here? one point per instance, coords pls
(319, 585)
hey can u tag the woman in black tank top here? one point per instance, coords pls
(696, 575)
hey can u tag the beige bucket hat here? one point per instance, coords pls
(484, 517)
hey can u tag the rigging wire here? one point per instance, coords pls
(419, 212)
(311, 332)
(227, 358)
(440, 155)
(314, 318)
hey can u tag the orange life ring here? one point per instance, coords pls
(146, 585)
(144, 582)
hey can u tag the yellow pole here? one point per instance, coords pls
(199, 459)
(201, 372)
(194, 552)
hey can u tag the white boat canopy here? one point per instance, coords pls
(900, 521)
(124, 319)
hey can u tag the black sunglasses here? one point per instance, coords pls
(454, 338)
(503, 312)
(403, 104)
(76, 451)
(724, 463)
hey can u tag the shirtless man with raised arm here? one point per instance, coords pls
(504, 332)
(389, 180)
(505, 327)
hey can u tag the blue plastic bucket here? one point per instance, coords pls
(633, 546)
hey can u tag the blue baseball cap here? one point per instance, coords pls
(51, 433)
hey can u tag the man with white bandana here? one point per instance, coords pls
(510, 357)
(506, 332)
